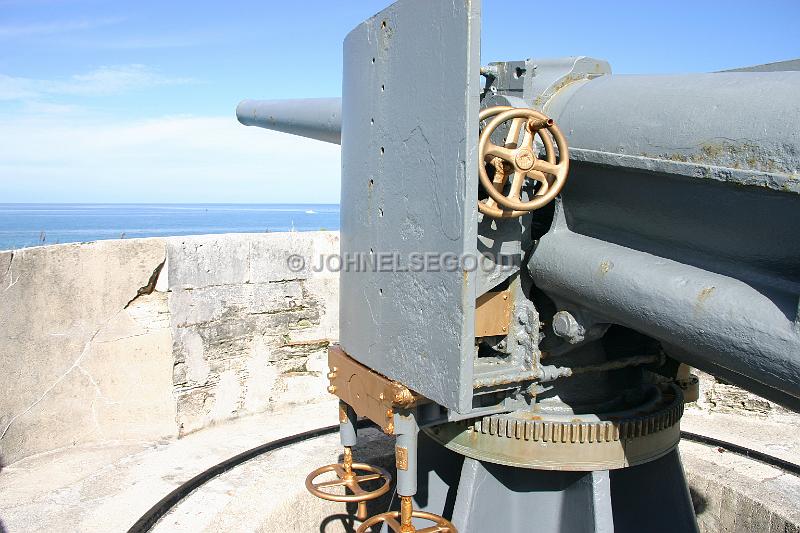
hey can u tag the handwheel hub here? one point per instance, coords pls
(524, 159)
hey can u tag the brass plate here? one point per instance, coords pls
(493, 314)
(370, 394)
(401, 457)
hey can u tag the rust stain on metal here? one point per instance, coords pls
(742, 155)
(705, 294)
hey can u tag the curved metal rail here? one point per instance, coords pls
(762, 457)
(160, 509)
(155, 513)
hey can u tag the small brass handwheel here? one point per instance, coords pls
(520, 160)
(348, 477)
(392, 519)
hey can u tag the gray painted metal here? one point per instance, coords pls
(693, 125)
(778, 66)
(409, 179)
(348, 430)
(552, 75)
(316, 118)
(407, 432)
(680, 218)
(479, 497)
(497, 498)
(717, 318)
(652, 497)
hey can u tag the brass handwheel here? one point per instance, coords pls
(348, 477)
(519, 159)
(392, 519)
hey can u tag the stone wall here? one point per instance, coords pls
(718, 396)
(81, 356)
(247, 331)
(150, 338)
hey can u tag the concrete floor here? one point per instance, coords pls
(108, 487)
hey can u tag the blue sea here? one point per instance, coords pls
(23, 225)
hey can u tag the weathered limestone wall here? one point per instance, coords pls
(248, 332)
(721, 397)
(149, 338)
(82, 358)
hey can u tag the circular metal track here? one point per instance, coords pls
(171, 500)
(155, 513)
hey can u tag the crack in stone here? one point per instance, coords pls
(98, 391)
(98, 395)
(73, 366)
(10, 262)
(10, 274)
(150, 286)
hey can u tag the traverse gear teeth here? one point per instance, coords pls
(576, 432)
(551, 442)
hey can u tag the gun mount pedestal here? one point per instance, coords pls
(489, 472)
(484, 496)
(532, 252)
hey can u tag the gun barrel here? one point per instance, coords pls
(315, 118)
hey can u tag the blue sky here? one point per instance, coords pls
(134, 101)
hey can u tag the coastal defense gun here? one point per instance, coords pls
(532, 253)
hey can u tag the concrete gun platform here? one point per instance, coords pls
(108, 487)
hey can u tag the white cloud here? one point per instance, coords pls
(104, 80)
(34, 108)
(170, 159)
(145, 43)
(57, 26)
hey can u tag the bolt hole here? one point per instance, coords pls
(372, 121)
(371, 182)
(382, 150)
(373, 60)
(383, 88)
(380, 212)
(380, 291)
(383, 24)
(519, 72)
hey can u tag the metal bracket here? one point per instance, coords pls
(552, 75)
(370, 394)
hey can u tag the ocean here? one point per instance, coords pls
(24, 225)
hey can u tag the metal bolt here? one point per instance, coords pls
(567, 327)
(332, 389)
